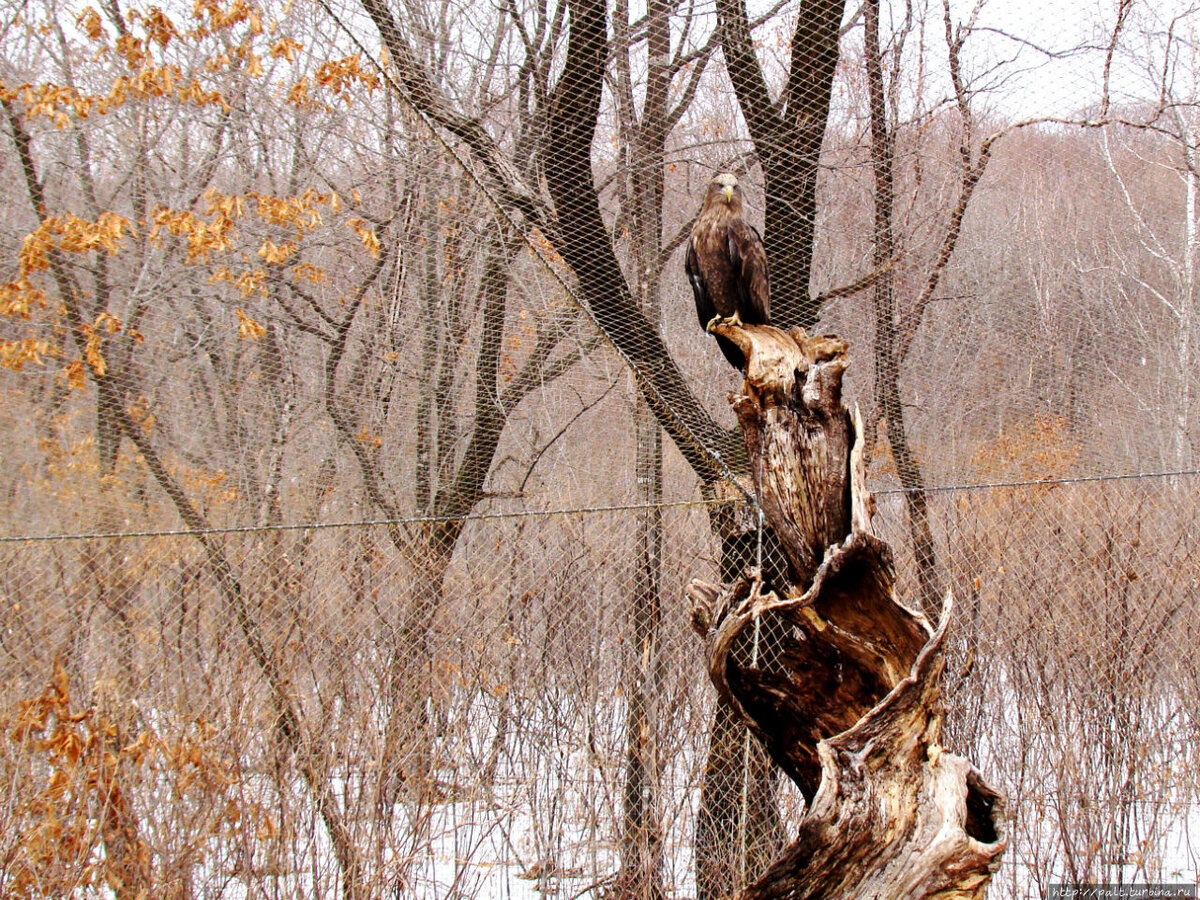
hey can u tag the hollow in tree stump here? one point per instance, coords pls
(837, 677)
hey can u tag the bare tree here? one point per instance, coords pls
(1165, 138)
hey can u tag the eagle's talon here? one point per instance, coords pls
(718, 319)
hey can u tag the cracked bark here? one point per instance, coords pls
(836, 676)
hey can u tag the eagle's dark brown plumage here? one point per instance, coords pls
(727, 265)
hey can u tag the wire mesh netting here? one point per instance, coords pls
(361, 438)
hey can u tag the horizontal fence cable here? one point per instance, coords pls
(566, 511)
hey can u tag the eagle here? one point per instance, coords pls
(727, 265)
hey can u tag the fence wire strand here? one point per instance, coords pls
(361, 437)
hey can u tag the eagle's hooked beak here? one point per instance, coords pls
(727, 190)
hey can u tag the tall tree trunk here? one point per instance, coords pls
(645, 135)
(887, 346)
(738, 827)
(407, 766)
(641, 835)
(1187, 305)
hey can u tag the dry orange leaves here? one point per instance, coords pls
(367, 235)
(211, 230)
(71, 234)
(16, 354)
(216, 234)
(58, 102)
(89, 769)
(1040, 449)
(339, 74)
(276, 254)
(65, 233)
(213, 15)
(105, 323)
(247, 327)
(147, 77)
(86, 759)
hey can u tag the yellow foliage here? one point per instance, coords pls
(158, 26)
(247, 327)
(204, 238)
(108, 322)
(34, 255)
(252, 282)
(220, 18)
(229, 206)
(133, 51)
(1041, 450)
(69, 233)
(276, 254)
(58, 102)
(83, 771)
(298, 94)
(367, 235)
(91, 353)
(75, 376)
(301, 211)
(19, 298)
(285, 48)
(339, 74)
(51, 101)
(161, 82)
(307, 272)
(105, 323)
(209, 238)
(16, 354)
(193, 92)
(57, 831)
(89, 20)
(106, 233)
(139, 413)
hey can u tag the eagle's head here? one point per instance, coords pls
(724, 189)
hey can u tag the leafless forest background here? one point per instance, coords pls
(346, 514)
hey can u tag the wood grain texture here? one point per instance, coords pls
(836, 676)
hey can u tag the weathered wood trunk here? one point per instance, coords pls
(838, 678)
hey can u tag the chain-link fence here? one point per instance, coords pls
(360, 437)
(492, 746)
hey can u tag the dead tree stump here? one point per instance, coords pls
(838, 678)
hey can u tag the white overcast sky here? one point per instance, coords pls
(1062, 87)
